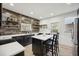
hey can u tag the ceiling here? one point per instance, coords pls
(41, 10)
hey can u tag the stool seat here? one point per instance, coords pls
(49, 42)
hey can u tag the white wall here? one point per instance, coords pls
(65, 38)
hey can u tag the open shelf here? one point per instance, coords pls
(35, 25)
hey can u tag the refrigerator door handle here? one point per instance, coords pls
(72, 35)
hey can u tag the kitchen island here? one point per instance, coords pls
(37, 44)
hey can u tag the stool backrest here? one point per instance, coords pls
(54, 36)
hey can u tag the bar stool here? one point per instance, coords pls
(51, 45)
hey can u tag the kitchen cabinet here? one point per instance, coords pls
(23, 40)
(6, 41)
(28, 40)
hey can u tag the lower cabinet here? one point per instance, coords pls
(23, 40)
(28, 40)
(6, 41)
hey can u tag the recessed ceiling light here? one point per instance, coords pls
(31, 13)
(51, 14)
(41, 17)
(68, 3)
(11, 4)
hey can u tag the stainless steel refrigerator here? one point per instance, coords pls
(75, 37)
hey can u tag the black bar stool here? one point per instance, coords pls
(52, 45)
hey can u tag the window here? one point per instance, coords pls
(54, 27)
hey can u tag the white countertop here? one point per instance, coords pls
(10, 36)
(42, 37)
(11, 49)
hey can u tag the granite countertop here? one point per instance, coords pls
(42, 37)
(11, 49)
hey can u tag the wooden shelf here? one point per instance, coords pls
(10, 25)
(35, 26)
(14, 23)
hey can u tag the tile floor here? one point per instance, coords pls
(65, 50)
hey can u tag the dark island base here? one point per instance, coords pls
(37, 47)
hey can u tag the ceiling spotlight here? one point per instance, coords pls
(31, 13)
(51, 14)
(41, 17)
(68, 3)
(11, 4)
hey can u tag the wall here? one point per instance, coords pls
(15, 23)
(65, 37)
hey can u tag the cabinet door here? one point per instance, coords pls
(28, 40)
(6, 41)
(24, 40)
(19, 39)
